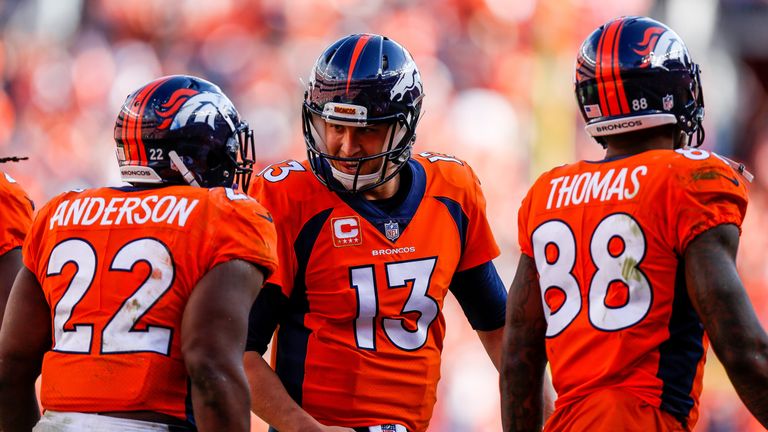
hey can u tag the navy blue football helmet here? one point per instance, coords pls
(362, 80)
(635, 73)
(181, 129)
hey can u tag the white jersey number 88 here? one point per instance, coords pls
(611, 267)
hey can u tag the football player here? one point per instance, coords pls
(134, 300)
(371, 239)
(628, 269)
(15, 218)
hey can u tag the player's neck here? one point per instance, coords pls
(620, 148)
(387, 190)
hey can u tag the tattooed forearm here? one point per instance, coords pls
(524, 356)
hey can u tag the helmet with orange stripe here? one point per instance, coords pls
(635, 73)
(362, 80)
(181, 129)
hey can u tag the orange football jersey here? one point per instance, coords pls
(607, 238)
(361, 343)
(117, 266)
(15, 214)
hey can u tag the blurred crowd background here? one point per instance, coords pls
(498, 81)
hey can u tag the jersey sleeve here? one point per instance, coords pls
(481, 247)
(33, 242)
(15, 217)
(708, 194)
(273, 201)
(269, 307)
(244, 230)
(523, 236)
(481, 295)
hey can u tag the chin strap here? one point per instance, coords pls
(179, 165)
(700, 135)
(352, 182)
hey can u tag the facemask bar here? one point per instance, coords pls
(322, 168)
(698, 115)
(178, 163)
(246, 152)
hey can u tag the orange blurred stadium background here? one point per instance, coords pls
(498, 80)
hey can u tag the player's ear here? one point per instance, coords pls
(681, 139)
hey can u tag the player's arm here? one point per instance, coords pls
(269, 398)
(24, 339)
(719, 297)
(481, 295)
(523, 355)
(10, 263)
(213, 333)
(272, 403)
(491, 341)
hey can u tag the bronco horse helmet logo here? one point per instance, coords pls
(408, 80)
(186, 105)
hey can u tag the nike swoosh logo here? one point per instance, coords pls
(731, 179)
(711, 175)
(267, 216)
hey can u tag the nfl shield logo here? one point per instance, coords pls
(668, 102)
(391, 230)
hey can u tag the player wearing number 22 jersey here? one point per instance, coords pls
(117, 267)
(134, 301)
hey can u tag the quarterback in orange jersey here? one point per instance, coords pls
(134, 301)
(628, 270)
(370, 241)
(15, 218)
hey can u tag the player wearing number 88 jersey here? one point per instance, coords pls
(609, 272)
(628, 263)
(133, 303)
